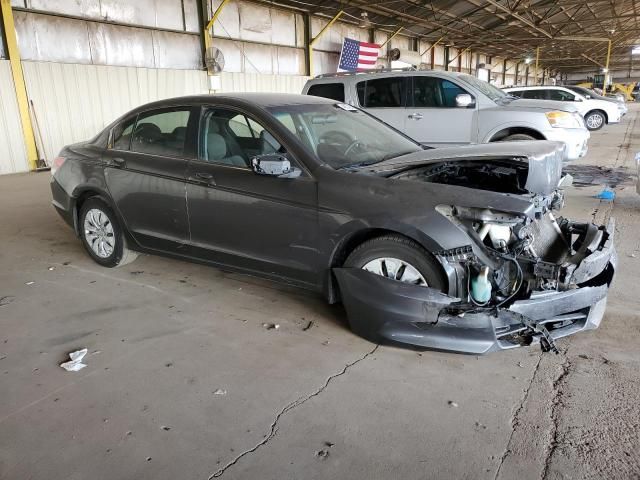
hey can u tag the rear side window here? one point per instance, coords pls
(121, 135)
(535, 94)
(382, 92)
(161, 132)
(561, 95)
(334, 91)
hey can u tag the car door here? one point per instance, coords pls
(147, 162)
(385, 98)
(256, 222)
(434, 118)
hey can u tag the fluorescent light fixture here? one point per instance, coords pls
(527, 60)
(605, 70)
(635, 50)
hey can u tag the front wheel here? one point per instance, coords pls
(102, 236)
(594, 120)
(516, 137)
(398, 258)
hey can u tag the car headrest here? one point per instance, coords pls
(147, 132)
(179, 133)
(216, 146)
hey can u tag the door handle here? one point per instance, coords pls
(416, 116)
(119, 162)
(204, 176)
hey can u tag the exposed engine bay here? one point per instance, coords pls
(513, 256)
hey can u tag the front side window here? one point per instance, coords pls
(333, 91)
(341, 135)
(230, 138)
(561, 96)
(382, 92)
(161, 132)
(434, 92)
(515, 93)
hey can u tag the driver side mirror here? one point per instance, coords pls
(464, 100)
(275, 165)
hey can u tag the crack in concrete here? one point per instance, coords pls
(296, 403)
(514, 418)
(556, 404)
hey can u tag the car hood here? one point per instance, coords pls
(543, 159)
(546, 105)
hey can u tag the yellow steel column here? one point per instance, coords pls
(433, 45)
(317, 37)
(391, 37)
(216, 14)
(18, 81)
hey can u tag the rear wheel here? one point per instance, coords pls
(102, 235)
(398, 258)
(516, 137)
(594, 120)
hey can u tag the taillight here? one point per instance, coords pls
(56, 164)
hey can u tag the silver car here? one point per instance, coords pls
(440, 108)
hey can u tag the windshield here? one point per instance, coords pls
(343, 136)
(494, 93)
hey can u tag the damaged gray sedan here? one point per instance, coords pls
(457, 249)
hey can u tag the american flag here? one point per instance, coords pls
(357, 55)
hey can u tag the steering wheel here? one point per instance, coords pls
(340, 138)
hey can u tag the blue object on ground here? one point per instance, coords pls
(606, 194)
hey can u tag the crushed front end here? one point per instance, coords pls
(524, 277)
(537, 295)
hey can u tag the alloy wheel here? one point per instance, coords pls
(595, 120)
(396, 269)
(98, 231)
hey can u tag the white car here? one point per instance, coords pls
(595, 112)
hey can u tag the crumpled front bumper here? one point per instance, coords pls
(381, 309)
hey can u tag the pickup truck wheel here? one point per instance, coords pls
(516, 137)
(398, 258)
(594, 120)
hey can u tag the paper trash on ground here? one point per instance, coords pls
(76, 361)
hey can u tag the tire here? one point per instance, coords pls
(396, 247)
(517, 137)
(595, 120)
(98, 224)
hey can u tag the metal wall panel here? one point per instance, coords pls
(228, 18)
(13, 156)
(176, 50)
(150, 13)
(58, 39)
(54, 39)
(232, 51)
(74, 102)
(116, 45)
(191, 15)
(78, 8)
(249, 82)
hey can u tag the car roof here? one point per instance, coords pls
(536, 87)
(359, 76)
(264, 100)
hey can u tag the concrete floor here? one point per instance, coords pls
(300, 403)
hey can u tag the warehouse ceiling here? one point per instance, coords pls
(571, 34)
